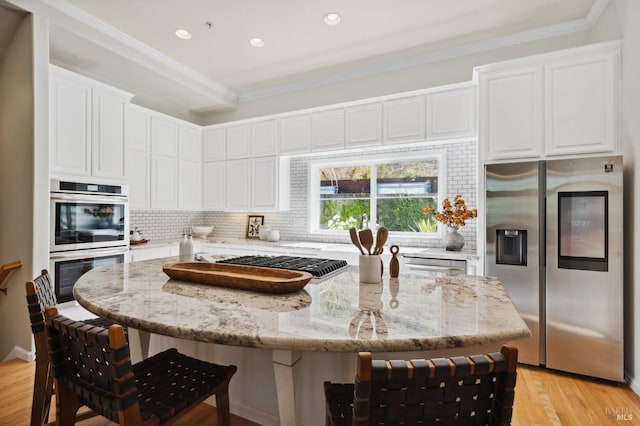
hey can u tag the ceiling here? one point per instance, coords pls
(131, 43)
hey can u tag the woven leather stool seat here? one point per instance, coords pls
(473, 390)
(92, 367)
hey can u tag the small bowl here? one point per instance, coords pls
(201, 231)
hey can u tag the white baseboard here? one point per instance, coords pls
(23, 354)
(257, 416)
(633, 384)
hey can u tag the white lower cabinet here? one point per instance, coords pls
(164, 182)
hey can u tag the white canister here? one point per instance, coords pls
(273, 235)
(264, 230)
(370, 268)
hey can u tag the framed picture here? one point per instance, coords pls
(254, 222)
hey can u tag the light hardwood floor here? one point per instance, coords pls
(543, 397)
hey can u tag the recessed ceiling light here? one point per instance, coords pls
(182, 33)
(256, 42)
(332, 18)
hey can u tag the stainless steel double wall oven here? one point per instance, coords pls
(89, 227)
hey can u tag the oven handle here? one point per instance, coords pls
(433, 267)
(105, 199)
(81, 254)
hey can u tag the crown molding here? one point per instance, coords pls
(77, 20)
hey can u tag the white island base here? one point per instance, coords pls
(263, 375)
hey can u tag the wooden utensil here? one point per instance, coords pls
(394, 265)
(355, 239)
(366, 239)
(381, 239)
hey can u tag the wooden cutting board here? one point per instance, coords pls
(252, 278)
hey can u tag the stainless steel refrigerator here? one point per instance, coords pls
(554, 234)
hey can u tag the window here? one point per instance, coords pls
(386, 191)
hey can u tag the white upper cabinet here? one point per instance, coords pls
(238, 193)
(363, 125)
(215, 144)
(264, 138)
(510, 116)
(327, 130)
(215, 178)
(87, 127)
(189, 185)
(108, 148)
(70, 126)
(238, 142)
(189, 143)
(138, 129)
(164, 136)
(295, 134)
(451, 114)
(404, 119)
(264, 183)
(559, 103)
(581, 103)
(164, 182)
(139, 179)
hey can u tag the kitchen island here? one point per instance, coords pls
(329, 321)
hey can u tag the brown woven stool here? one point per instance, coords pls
(40, 294)
(92, 366)
(471, 390)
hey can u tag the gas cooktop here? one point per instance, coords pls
(313, 265)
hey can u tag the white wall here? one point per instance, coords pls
(23, 176)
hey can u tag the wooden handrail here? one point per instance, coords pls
(5, 271)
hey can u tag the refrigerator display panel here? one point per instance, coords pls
(583, 230)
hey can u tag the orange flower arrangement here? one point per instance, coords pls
(452, 214)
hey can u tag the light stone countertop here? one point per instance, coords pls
(337, 314)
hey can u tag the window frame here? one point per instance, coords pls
(371, 160)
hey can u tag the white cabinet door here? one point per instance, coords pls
(139, 179)
(164, 182)
(294, 134)
(264, 138)
(189, 143)
(108, 147)
(238, 184)
(511, 114)
(327, 130)
(238, 142)
(164, 136)
(189, 185)
(215, 144)
(264, 183)
(451, 114)
(138, 129)
(363, 125)
(214, 182)
(581, 104)
(404, 120)
(70, 127)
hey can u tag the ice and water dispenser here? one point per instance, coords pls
(511, 247)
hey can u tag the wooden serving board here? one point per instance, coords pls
(252, 278)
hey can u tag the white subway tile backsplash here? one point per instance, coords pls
(461, 159)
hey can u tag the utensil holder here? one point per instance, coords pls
(370, 269)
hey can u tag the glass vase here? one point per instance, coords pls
(453, 240)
